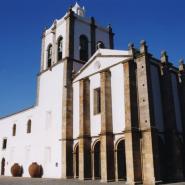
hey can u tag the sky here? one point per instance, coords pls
(160, 22)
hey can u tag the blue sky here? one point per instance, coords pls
(160, 22)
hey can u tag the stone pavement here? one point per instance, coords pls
(30, 181)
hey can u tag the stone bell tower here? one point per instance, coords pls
(70, 42)
(74, 36)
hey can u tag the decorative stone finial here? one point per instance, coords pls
(44, 32)
(109, 28)
(143, 47)
(130, 45)
(131, 48)
(181, 65)
(164, 57)
(70, 8)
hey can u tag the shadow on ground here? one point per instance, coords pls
(30, 181)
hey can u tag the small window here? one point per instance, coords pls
(60, 47)
(99, 45)
(14, 130)
(97, 101)
(49, 56)
(4, 144)
(84, 49)
(29, 126)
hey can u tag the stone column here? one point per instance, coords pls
(93, 36)
(172, 155)
(132, 135)
(84, 137)
(150, 172)
(74, 164)
(67, 100)
(106, 136)
(116, 164)
(92, 164)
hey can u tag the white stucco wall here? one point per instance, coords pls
(52, 39)
(43, 144)
(95, 118)
(103, 36)
(118, 99)
(76, 106)
(81, 28)
(92, 71)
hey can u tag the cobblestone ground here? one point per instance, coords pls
(29, 181)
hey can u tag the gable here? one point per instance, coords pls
(100, 62)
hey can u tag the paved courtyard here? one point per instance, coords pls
(30, 181)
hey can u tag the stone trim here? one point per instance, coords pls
(84, 137)
(106, 140)
(132, 131)
(148, 145)
(70, 22)
(67, 101)
(105, 69)
(93, 36)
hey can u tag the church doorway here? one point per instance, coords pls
(97, 161)
(3, 166)
(77, 161)
(121, 160)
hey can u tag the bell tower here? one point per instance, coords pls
(85, 36)
(66, 46)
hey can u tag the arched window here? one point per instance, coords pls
(60, 47)
(14, 130)
(99, 45)
(84, 48)
(29, 126)
(49, 56)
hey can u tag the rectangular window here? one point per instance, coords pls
(97, 101)
(4, 144)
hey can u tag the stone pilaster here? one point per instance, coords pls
(173, 158)
(67, 100)
(132, 135)
(54, 48)
(70, 19)
(106, 136)
(111, 37)
(67, 122)
(150, 172)
(84, 137)
(42, 51)
(93, 36)
(181, 85)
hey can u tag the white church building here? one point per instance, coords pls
(99, 112)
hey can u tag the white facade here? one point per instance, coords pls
(43, 144)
